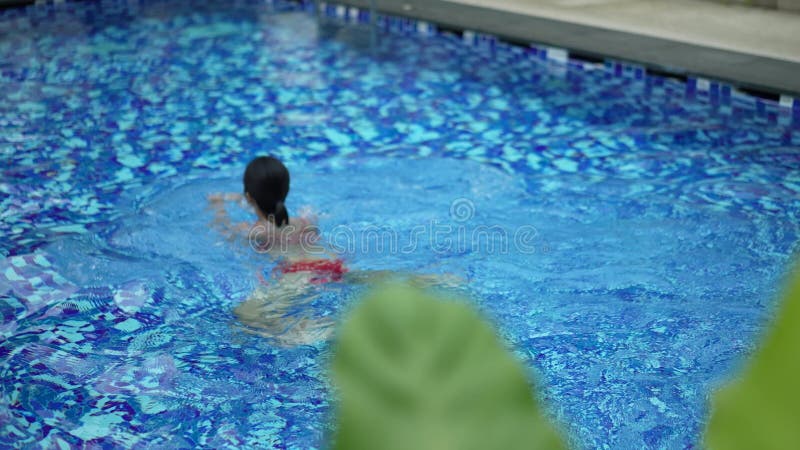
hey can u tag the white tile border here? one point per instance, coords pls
(787, 101)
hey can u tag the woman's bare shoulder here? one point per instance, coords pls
(305, 220)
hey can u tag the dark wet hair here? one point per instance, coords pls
(266, 180)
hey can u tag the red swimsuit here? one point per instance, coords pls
(324, 270)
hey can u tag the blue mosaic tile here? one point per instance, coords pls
(115, 112)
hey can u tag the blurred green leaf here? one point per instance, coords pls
(417, 372)
(761, 410)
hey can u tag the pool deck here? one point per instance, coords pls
(750, 47)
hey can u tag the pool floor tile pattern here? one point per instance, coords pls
(85, 135)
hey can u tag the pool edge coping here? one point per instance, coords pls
(543, 31)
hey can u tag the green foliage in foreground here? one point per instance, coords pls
(417, 372)
(761, 410)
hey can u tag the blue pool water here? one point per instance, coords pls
(627, 238)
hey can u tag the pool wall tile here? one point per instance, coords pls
(700, 87)
(703, 85)
(691, 86)
(557, 54)
(788, 102)
(353, 14)
(426, 28)
(579, 129)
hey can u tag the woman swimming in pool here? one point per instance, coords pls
(274, 309)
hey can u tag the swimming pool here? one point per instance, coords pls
(625, 234)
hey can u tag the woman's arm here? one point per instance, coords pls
(222, 221)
